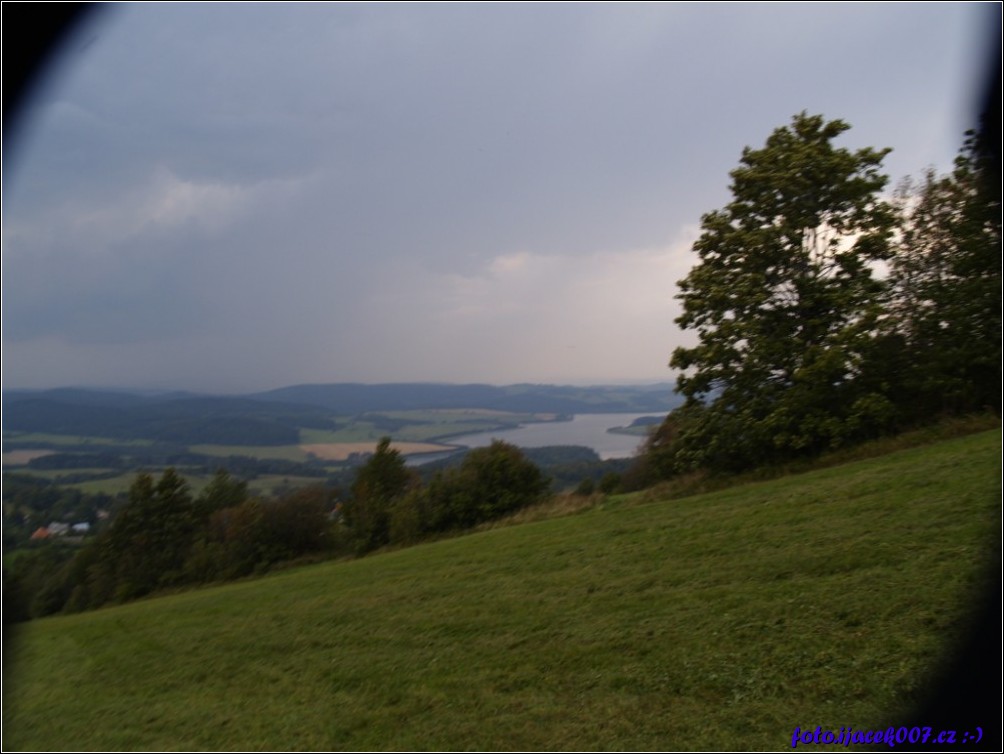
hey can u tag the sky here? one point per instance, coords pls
(228, 198)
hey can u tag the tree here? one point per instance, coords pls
(489, 483)
(610, 482)
(297, 523)
(379, 483)
(785, 304)
(495, 480)
(223, 491)
(143, 549)
(155, 532)
(947, 288)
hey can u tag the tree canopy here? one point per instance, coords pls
(785, 301)
(946, 310)
(489, 483)
(379, 483)
(826, 314)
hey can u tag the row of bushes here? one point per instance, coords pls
(167, 538)
(390, 505)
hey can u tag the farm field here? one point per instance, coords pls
(419, 425)
(23, 457)
(50, 438)
(343, 451)
(120, 484)
(277, 452)
(413, 431)
(718, 621)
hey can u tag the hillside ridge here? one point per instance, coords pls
(717, 621)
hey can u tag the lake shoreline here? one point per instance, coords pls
(594, 431)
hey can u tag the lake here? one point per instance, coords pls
(589, 430)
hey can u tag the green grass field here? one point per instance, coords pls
(427, 425)
(57, 440)
(422, 426)
(718, 621)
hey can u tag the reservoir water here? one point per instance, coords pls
(589, 430)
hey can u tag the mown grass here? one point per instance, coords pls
(718, 621)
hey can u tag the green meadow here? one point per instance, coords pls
(57, 440)
(717, 621)
(277, 452)
(407, 426)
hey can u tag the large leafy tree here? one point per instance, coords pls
(493, 481)
(947, 288)
(784, 301)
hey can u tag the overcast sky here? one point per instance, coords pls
(229, 198)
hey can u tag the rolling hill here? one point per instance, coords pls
(718, 621)
(275, 417)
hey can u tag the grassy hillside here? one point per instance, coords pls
(719, 621)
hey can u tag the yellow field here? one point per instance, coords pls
(494, 412)
(22, 457)
(340, 451)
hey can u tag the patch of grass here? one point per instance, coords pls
(700, 482)
(944, 429)
(23, 457)
(717, 621)
(556, 506)
(278, 452)
(122, 483)
(54, 475)
(110, 486)
(419, 426)
(444, 430)
(273, 484)
(56, 440)
(353, 432)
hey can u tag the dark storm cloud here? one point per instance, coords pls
(310, 186)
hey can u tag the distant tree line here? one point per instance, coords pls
(827, 315)
(32, 501)
(566, 465)
(189, 421)
(246, 467)
(164, 537)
